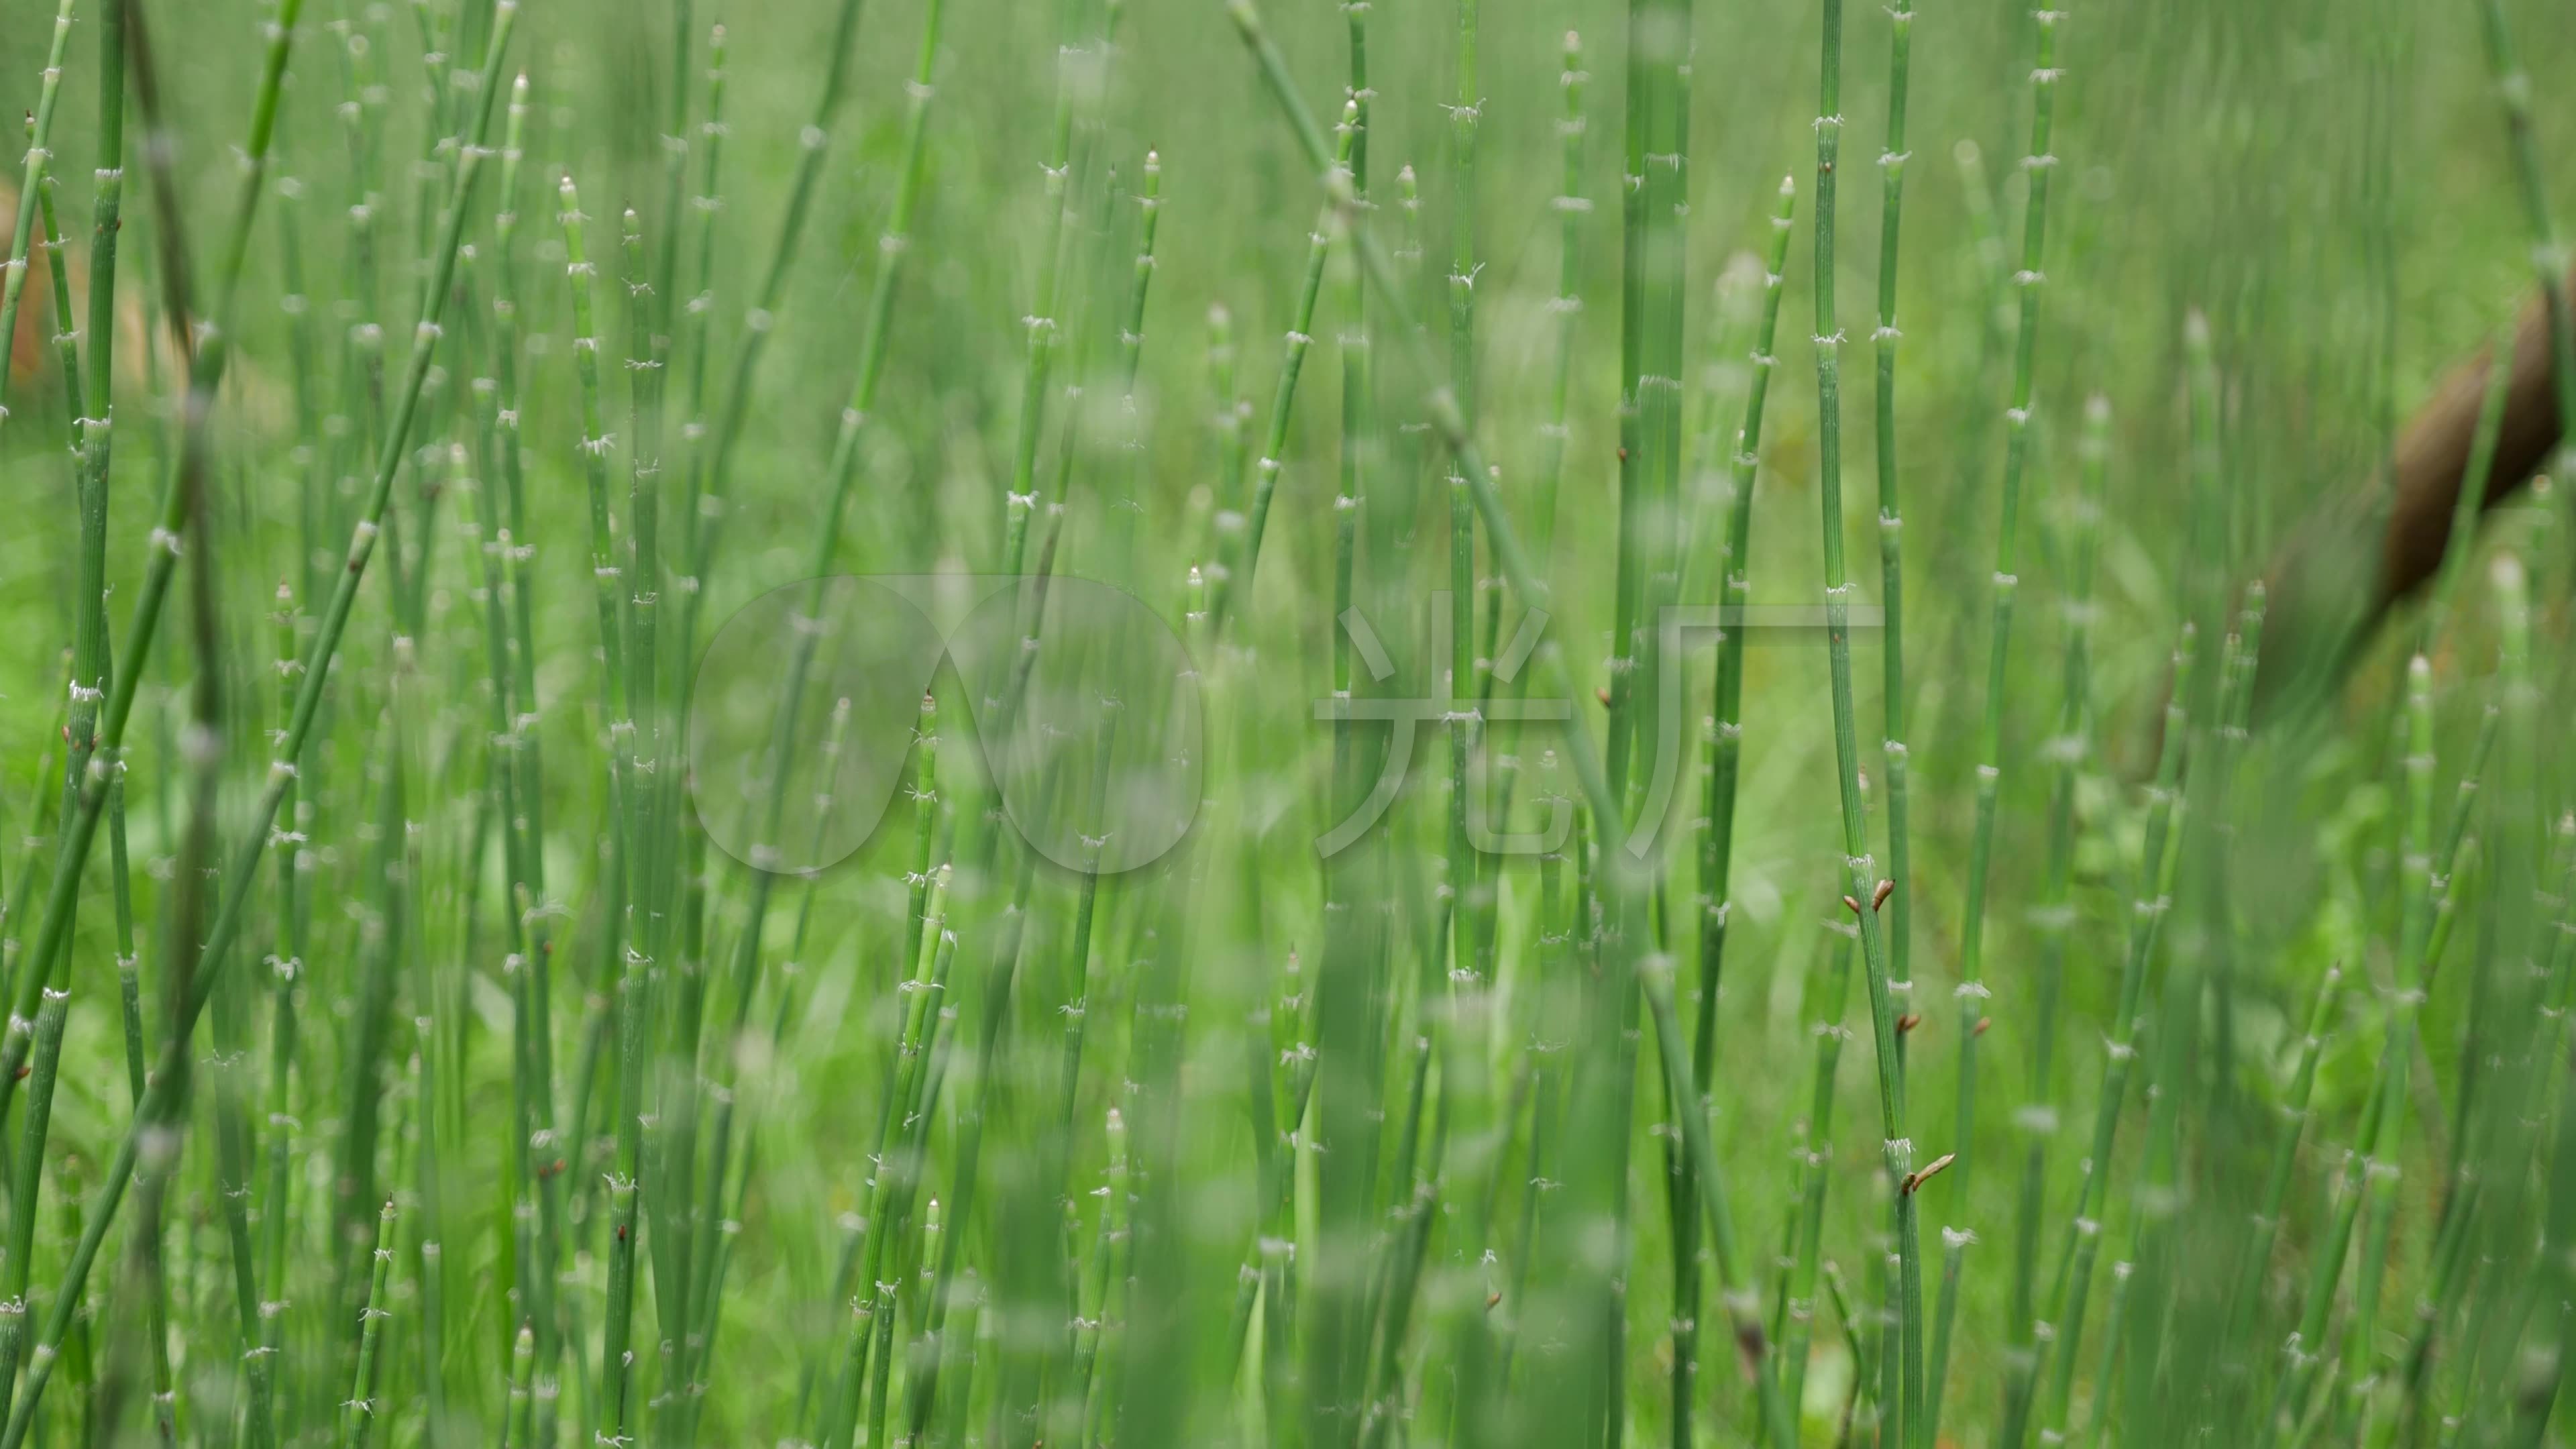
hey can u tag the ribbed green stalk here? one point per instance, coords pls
(1449, 426)
(205, 373)
(1124, 501)
(2070, 750)
(531, 1094)
(31, 184)
(2157, 1247)
(2419, 886)
(1238, 572)
(241, 878)
(615, 724)
(260, 1426)
(2037, 165)
(22, 1207)
(892, 245)
(1743, 1301)
(518, 1414)
(641, 576)
(2064, 1309)
(711, 487)
(544, 1150)
(697, 316)
(674, 141)
(893, 1172)
(1111, 1253)
(1891, 524)
(1645, 249)
(358, 1411)
(1830, 996)
(1041, 324)
(89, 661)
(716, 1225)
(2285, 1152)
(1572, 206)
(613, 1413)
(1862, 875)
(939, 1270)
(1717, 841)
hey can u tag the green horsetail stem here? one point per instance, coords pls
(760, 319)
(892, 245)
(1450, 426)
(2064, 1307)
(260, 1424)
(2070, 749)
(31, 188)
(697, 315)
(2031, 280)
(2368, 1175)
(241, 879)
(1572, 207)
(204, 375)
(1897, 1147)
(2419, 883)
(1238, 572)
(1041, 326)
(358, 1411)
(1744, 466)
(2157, 1253)
(616, 724)
(1892, 157)
(1797, 1302)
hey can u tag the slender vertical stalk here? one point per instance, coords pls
(1572, 207)
(260, 1422)
(698, 315)
(1448, 425)
(1041, 324)
(518, 1415)
(1238, 571)
(1717, 842)
(2419, 884)
(205, 368)
(31, 185)
(712, 490)
(1736, 1289)
(614, 1411)
(2037, 166)
(1830, 995)
(1883, 342)
(2069, 749)
(2072, 1285)
(358, 1411)
(1898, 1148)
(615, 722)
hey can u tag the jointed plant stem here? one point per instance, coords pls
(2037, 165)
(2064, 1308)
(31, 188)
(1862, 886)
(241, 878)
(2069, 749)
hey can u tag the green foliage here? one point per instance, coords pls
(568, 1076)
